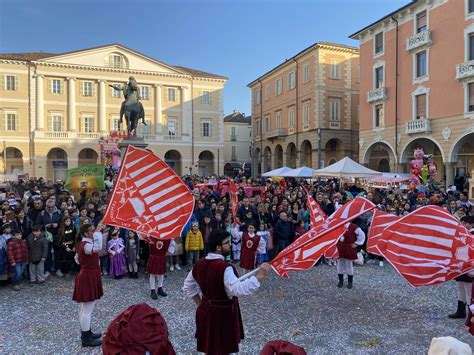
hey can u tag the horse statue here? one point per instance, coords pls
(132, 108)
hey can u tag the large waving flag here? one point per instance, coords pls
(316, 214)
(307, 249)
(380, 221)
(428, 246)
(234, 199)
(149, 197)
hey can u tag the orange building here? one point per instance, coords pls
(417, 87)
(304, 111)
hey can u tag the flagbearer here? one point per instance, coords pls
(156, 265)
(213, 284)
(251, 244)
(346, 247)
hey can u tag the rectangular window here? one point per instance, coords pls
(378, 119)
(266, 124)
(420, 106)
(88, 124)
(206, 97)
(56, 86)
(267, 91)
(378, 77)
(171, 94)
(291, 80)
(421, 24)
(117, 61)
(234, 153)
(87, 88)
(10, 83)
(145, 92)
(306, 112)
(114, 123)
(421, 64)
(291, 116)
(471, 6)
(378, 43)
(116, 93)
(171, 125)
(257, 97)
(334, 109)
(471, 97)
(278, 119)
(306, 73)
(257, 127)
(334, 70)
(233, 134)
(278, 87)
(471, 46)
(206, 129)
(11, 122)
(56, 123)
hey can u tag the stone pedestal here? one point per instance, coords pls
(137, 142)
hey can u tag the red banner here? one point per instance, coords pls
(234, 200)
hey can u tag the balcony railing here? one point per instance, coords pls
(172, 138)
(280, 132)
(66, 135)
(418, 40)
(379, 94)
(421, 125)
(88, 135)
(465, 70)
(233, 137)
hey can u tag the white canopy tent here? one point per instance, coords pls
(303, 172)
(277, 172)
(346, 168)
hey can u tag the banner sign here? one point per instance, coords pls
(87, 177)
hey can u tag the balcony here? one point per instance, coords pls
(233, 137)
(88, 135)
(465, 70)
(379, 94)
(422, 125)
(280, 132)
(418, 40)
(172, 138)
(147, 137)
(66, 135)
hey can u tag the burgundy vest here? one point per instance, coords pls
(344, 248)
(249, 247)
(159, 247)
(87, 261)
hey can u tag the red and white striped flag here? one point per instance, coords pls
(149, 197)
(234, 199)
(428, 246)
(380, 221)
(307, 249)
(316, 214)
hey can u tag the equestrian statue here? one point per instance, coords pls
(132, 108)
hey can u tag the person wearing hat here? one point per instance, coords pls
(214, 286)
(464, 282)
(88, 283)
(140, 329)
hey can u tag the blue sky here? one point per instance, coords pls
(240, 39)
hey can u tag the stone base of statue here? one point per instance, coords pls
(137, 142)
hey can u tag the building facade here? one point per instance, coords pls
(237, 138)
(304, 111)
(54, 108)
(417, 87)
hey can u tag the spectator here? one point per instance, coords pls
(38, 249)
(18, 257)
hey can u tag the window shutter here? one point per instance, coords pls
(93, 88)
(50, 85)
(3, 122)
(3, 82)
(83, 88)
(50, 123)
(17, 83)
(210, 129)
(17, 122)
(421, 106)
(210, 97)
(62, 86)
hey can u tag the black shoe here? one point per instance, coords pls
(349, 281)
(95, 335)
(88, 340)
(130, 274)
(135, 275)
(341, 280)
(154, 295)
(162, 292)
(460, 312)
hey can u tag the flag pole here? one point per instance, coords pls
(245, 276)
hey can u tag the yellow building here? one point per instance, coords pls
(54, 108)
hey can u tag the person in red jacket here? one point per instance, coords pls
(214, 286)
(18, 257)
(346, 247)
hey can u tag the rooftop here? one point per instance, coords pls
(237, 117)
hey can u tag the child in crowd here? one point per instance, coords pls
(236, 241)
(156, 265)
(194, 243)
(251, 245)
(264, 235)
(300, 230)
(103, 251)
(18, 256)
(174, 257)
(206, 229)
(116, 249)
(67, 236)
(38, 250)
(132, 251)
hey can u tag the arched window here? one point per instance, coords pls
(116, 60)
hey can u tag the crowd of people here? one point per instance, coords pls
(43, 224)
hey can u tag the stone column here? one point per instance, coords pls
(449, 172)
(71, 104)
(185, 111)
(102, 122)
(158, 108)
(39, 103)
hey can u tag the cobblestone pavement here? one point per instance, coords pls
(382, 313)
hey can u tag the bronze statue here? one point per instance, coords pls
(132, 108)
